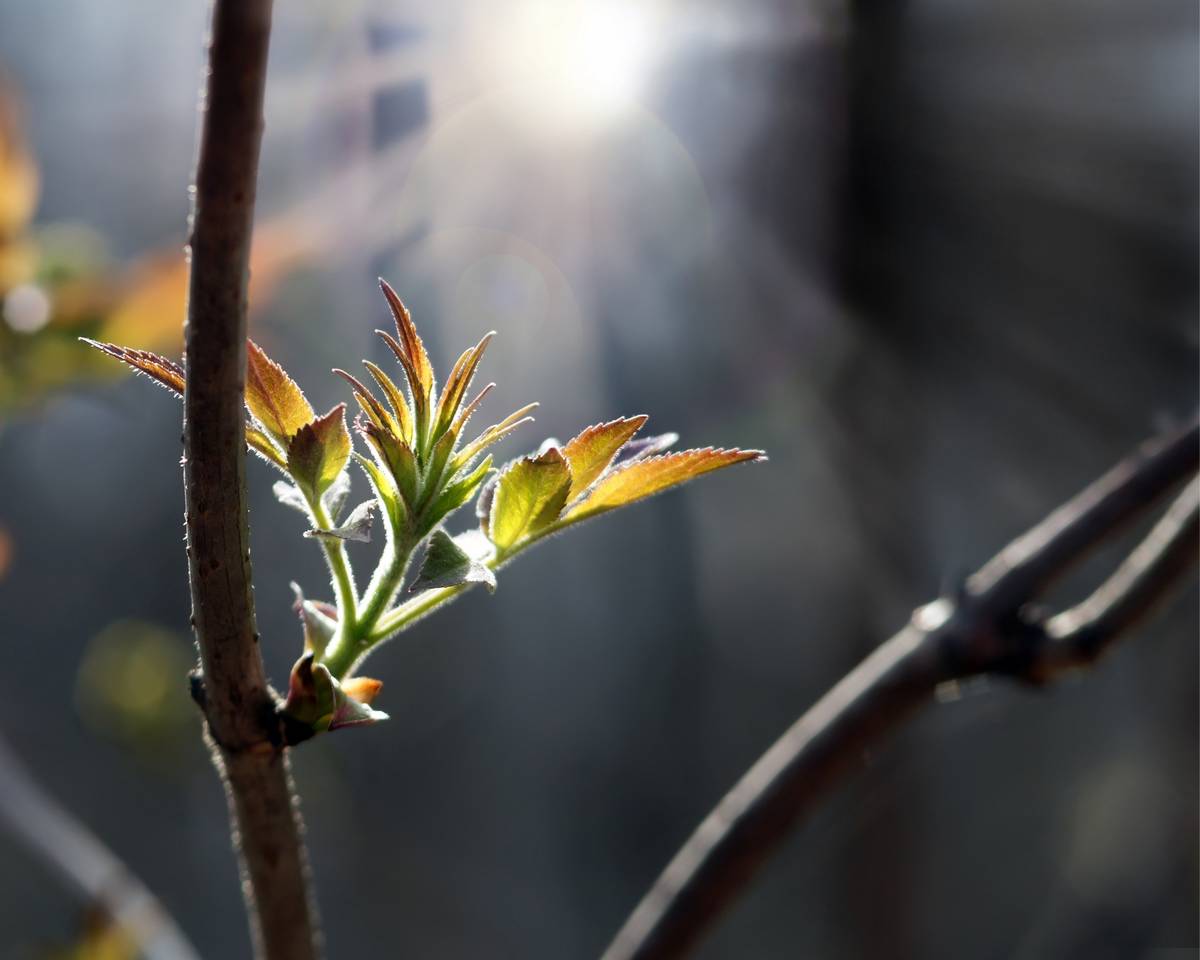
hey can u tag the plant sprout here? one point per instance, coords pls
(420, 471)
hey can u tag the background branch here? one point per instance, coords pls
(982, 630)
(52, 833)
(237, 702)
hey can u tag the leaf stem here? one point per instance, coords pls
(339, 570)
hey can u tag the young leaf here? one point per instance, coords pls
(590, 453)
(529, 495)
(396, 456)
(644, 478)
(335, 497)
(156, 367)
(458, 382)
(414, 349)
(448, 565)
(265, 447)
(492, 434)
(319, 620)
(290, 496)
(318, 452)
(273, 397)
(457, 493)
(370, 406)
(356, 527)
(362, 689)
(351, 712)
(170, 375)
(399, 405)
(317, 702)
(645, 447)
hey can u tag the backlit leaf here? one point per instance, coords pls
(590, 453)
(273, 397)
(318, 619)
(410, 340)
(529, 496)
(644, 478)
(362, 689)
(357, 525)
(158, 368)
(318, 452)
(458, 383)
(395, 396)
(645, 447)
(448, 565)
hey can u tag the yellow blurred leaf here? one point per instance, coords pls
(18, 172)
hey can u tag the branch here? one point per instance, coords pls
(982, 630)
(52, 833)
(238, 704)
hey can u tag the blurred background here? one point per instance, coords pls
(939, 259)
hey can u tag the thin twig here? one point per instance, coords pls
(52, 833)
(1078, 637)
(237, 702)
(982, 630)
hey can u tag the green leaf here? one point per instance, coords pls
(448, 565)
(272, 396)
(318, 452)
(395, 456)
(357, 525)
(457, 493)
(529, 496)
(590, 453)
(644, 478)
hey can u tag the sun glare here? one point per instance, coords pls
(579, 61)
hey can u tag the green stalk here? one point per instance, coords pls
(339, 570)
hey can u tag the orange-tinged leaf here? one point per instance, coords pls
(411, 341)
(458, 382)
(529, 496)
(318, 452)
(362, 689)
(273, 397)
(159, 368)
(371, 407)
(421, 400)
(644, 478)
(590, 453)
(263, 445)
(396, 399)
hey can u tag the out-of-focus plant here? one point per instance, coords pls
(58, 282)
(421, 468)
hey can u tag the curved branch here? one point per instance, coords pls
(238, 704)
(979, 631)
(51, 832)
